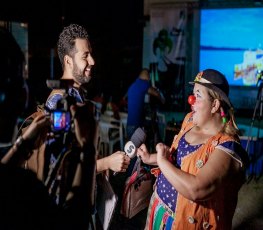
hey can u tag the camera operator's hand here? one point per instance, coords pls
(40, 124)
(25, 143)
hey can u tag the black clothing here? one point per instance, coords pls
(24, 201)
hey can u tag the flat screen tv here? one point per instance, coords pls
(231, 41)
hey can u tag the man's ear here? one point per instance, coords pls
(67, 61)
(215, 106)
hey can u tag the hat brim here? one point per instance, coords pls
(213, 87)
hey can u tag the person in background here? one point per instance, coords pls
(24, 200)
(136, 101)
(136, 106)
(11, 85)
(200, 175)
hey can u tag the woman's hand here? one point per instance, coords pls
(163, 152)
(143, 153)
(145, 156)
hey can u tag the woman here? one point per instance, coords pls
(199, 177)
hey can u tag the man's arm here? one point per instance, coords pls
(117, 162)
(156, 93)
(21, 150)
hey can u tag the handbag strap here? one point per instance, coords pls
(135, 171)
(134, 176)
(136, 166)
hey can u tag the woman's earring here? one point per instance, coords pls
(223, 115)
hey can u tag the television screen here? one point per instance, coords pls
(231, 41)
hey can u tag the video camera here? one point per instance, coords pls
(60, 116)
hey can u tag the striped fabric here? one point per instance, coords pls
(159, 215)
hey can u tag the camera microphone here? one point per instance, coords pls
(60, 84)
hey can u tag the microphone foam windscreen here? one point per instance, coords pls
(138, 137)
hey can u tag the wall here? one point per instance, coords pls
(243, 99)
(185, 70)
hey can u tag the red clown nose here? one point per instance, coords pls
(191, 99)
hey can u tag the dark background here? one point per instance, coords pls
(116, 33)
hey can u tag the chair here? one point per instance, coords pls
(108, 113)
(123, 118)
(110, 133)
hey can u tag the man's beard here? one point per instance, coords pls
(79, 75)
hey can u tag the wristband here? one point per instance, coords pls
(23, 145)
(19, 141)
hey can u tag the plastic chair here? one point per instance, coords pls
(110, 133)
(123, 118)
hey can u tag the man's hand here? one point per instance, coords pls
(117, 162)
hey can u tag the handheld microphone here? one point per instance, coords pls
(137, 139)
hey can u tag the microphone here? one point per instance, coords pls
(137, 139)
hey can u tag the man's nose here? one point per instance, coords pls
(91, 60)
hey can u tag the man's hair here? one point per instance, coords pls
(67, 38)
(145, 74)
(11, 73)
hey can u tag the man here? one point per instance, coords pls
(136, 101)
(24, 200)
(75, 54)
